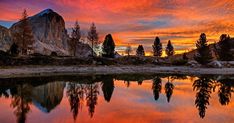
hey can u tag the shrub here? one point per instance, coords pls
(53, 54)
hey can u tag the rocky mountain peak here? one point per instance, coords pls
(49, 33)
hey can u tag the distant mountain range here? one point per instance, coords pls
(49, 32)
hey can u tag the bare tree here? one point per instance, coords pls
(128, 50)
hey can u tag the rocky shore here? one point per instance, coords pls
(29, 71)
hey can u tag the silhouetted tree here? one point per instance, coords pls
(108, 87)
(108, 47)
(75, 38)
(92, 97)
(14, 49)
(24, 37)
(93, 37)
(169, 90)
(75, 93)
(204, 87)
(204, 54)
(169, 49)
(140, 51)
(225, 91)
(156, 87)
(223, 48)
(157, 47)
(128, 50)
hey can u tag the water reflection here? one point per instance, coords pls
(20, 101)
(84, 92)
(203, 86)
(169, 89)
(157, 87)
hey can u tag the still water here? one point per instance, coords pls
(117, 99)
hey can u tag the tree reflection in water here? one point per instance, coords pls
(156, 87)
(21, 100)
(80, 93)
(92, 97)
(75, 93)
(107, 87)
(225, 91)
(169, 89)
(203, 86)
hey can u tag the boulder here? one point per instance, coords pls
(215, 64)
(193, 63)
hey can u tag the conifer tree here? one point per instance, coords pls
(157, 47)
(93, 37)
(24, 38)
(169, 49)
(75, 38)
(204, 55)
(108, 47)
(223, 48)
(140, 51)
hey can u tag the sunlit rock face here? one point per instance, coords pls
(5, 38)
(50, 35)
(47, 97)
(49, 32)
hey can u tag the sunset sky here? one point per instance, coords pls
(137, 22)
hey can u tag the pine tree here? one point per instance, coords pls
(108, 47)
(224, 48)
(204, 55)
(157, 47)
(93, 37)
(75, 38)
(24, 38)
(140, 51)
(169, 49)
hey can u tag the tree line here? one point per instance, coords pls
(23, 40)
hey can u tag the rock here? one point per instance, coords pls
(193, 63)
(83, 50)
(117, 55)
(5, 39)
(215, 64)
(50, 35)
(49, 32)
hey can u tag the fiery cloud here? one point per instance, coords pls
(138, 22)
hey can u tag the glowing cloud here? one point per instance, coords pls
(137, 22)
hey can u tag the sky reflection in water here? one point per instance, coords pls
(129, 98)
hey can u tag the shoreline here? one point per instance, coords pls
(37, 71)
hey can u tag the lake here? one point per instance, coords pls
(117, 99)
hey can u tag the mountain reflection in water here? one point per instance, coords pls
(28, 99)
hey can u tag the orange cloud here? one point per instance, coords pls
(138, 22)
